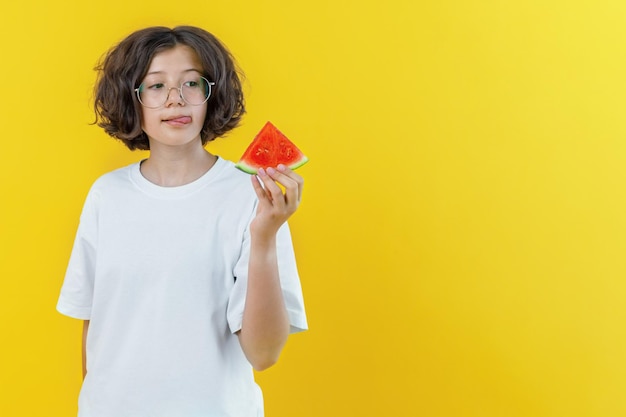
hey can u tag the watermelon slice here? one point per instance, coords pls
(268, 149)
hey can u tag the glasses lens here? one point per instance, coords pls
(196, 91)
(152, 95)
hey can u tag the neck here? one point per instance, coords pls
(175, 167)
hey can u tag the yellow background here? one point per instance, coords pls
(462, 238)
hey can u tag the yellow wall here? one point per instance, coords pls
(462, 238)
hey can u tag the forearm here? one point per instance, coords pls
(85, 331)
(265, 326)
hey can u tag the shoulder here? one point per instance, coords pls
(112, 182)
(232, 177)
(117, 176)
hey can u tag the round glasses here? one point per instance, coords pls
(194, 91)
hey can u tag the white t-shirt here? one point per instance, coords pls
(161, 273)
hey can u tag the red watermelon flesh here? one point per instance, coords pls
(269, 148)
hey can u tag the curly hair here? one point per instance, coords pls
(124, 66)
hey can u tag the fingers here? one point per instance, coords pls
(293, 185)
(295, 177)
(258, 187)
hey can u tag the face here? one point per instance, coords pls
(175, 123)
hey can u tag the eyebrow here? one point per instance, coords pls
(184, 71)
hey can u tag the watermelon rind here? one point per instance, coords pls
(299, 163)
(246, 168)
(253, 170)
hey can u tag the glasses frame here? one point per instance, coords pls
(180, 93)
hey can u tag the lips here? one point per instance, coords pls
(178, 120)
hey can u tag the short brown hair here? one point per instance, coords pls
(123, 67)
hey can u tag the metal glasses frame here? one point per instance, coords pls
(180, 93)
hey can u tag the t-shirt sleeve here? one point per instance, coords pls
(76, 295)
(289, 281)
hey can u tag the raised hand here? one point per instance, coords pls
(279, 191)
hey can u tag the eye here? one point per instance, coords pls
(192, 83)
(156, 86)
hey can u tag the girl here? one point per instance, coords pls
(182, 270)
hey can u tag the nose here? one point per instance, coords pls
(178, 98)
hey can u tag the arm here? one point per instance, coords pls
(85, 331)
(265, 325)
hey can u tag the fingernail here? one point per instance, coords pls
(271, 171)
(281, 167)
(261, 171)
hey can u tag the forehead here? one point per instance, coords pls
(174, 61)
